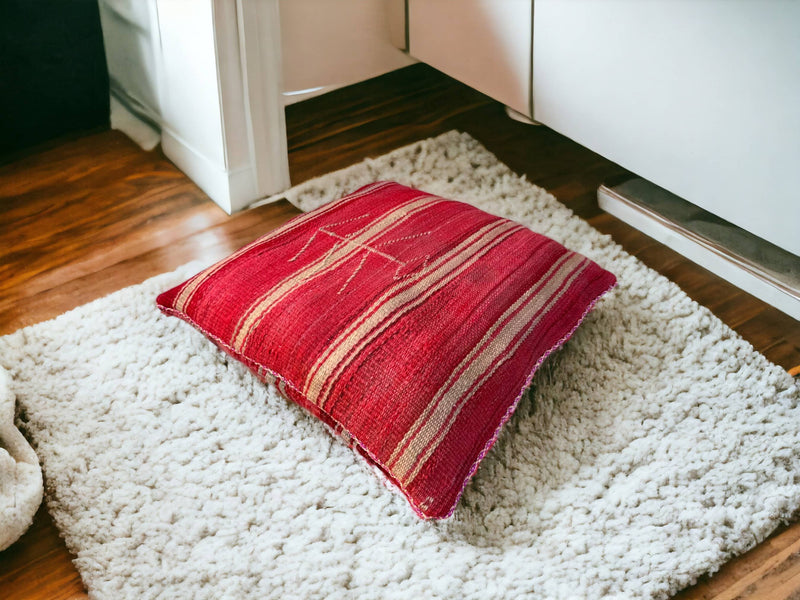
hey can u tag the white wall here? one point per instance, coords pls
(208, 74)
(331, 43)
(130, 36)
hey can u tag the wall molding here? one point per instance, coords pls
(223, 65)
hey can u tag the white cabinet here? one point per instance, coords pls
(326, 45)
(484, 43)
(701, 98)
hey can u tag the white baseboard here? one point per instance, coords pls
(716, 259)
(232, 190)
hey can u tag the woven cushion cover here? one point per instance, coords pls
(409, 323)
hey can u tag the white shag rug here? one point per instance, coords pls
(653, 447)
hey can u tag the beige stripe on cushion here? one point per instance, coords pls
(397, 301)
(187, 293)
(468, 359)
(453, 396)
(340, 252)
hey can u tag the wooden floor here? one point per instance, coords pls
(87, 216)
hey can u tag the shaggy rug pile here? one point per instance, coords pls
(652, 448)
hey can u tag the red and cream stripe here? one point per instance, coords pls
(499, 343)
(397, 301)
(339, 253)
(185, 296)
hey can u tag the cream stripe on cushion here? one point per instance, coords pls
(324, 264)
(186, 294)
(435, 430)
(396, 302)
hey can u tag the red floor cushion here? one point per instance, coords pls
(409, 323)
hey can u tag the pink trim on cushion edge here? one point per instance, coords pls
(363, 449)
(513, 406)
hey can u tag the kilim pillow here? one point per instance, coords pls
(409, 323)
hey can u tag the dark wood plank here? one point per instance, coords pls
(759, 574)
(39, 566)
(84, 217)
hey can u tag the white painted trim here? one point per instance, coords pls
(704, 255)
(219, 183)
(222, 36)
(260, 52)
(238, 153)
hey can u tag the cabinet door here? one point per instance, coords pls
(701, 98)
(483, 43)
(325, 45)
